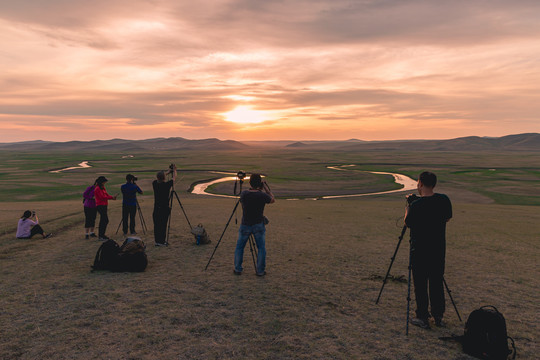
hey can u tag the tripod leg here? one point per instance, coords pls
(182, 207)
(391, 262)
(223, 233)
(169, 218)
(141, 218)
(253, 249)
(452, 299)
(408, 295)
(119, 224)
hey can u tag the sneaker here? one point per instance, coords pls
(87, 236)
(261, 274)
(92, 235)
(134, 233)
(424, 324)
(439, 322)
(161, 244)
(237, 272)
(48, 236)
(104, 238)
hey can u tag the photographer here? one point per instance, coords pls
(129, 203)
(426, 216)
(162, 210)
(253, 222)
(26, 227)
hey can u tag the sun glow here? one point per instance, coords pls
(246, 115)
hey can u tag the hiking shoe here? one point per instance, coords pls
(161, 244)
(104, 238)
(424, 324)
(237, 272)
(261, 274)
(134, 233)
(439, 322)
(87, 236)
(92, 235)
(48, 236)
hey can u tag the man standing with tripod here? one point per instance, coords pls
(129, 203)
(162, 210)
(427, 217)
(253, 223)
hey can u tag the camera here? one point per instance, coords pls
(241, 174)
(135, 178)
(33, 213)
(411, 198)
(172, 166)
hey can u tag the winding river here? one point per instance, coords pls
(406, 182)
(84, 164)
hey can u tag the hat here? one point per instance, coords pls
(101, 179)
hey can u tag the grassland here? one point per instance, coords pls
(325, 262)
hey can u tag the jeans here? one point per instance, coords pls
(103, 219)
(161, 218)
(428, 274)
(259, 233)
(128, 212)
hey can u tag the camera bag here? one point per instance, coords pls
(201, 236)
(132, 256)
(485, 335)
(106, 256)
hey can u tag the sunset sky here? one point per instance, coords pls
(268, 70)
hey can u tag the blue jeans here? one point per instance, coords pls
(259, 233)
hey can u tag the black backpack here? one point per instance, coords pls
(485, 335)
(106, 256)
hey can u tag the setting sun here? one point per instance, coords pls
(245, 115)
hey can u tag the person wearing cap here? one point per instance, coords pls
(26, 228)
(129, 203)
(102, 201)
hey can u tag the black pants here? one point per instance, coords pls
(428, 274)
(103, 220)
(128, 211)
(90, 217)
(160, 217)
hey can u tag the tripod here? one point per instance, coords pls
(251, 239)
(409, 282)
(172, 195)
(141, 218)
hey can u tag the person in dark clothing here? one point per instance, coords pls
(102, 203)
(129, 203)
(162, 208)
(427, 217)
(253, 202)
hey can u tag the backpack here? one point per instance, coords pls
(106, 256)
(201, 236)
(485, 335)
(131, 256)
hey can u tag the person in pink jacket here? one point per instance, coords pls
(102, 201)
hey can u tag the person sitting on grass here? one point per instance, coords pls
(26, 228)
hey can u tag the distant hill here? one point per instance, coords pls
(518, 142)
(175, 143)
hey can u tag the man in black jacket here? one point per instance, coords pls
(427, 217)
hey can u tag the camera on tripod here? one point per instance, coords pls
(241, 174)
(411, 198)
(172, 166)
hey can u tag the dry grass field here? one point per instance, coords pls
(325, 264)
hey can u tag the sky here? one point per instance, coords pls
(268, 69)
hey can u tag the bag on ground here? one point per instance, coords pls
(201, 236)
(132, 256)
(485, 335)
(106, 256)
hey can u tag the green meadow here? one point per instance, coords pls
(326, 258)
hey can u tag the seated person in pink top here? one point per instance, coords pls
(102, 201)
(26, 228)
